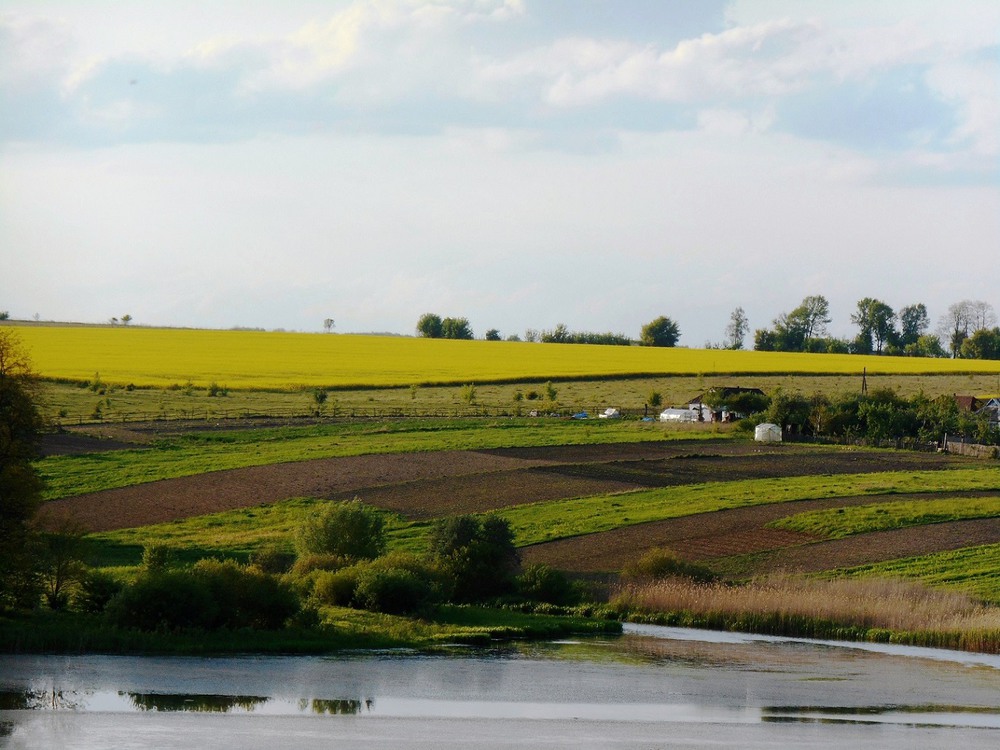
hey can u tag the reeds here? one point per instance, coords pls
(871, 609)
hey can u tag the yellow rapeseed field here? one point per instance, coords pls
(272, 360)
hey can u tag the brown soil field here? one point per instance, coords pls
(421, 486)
(710, 537)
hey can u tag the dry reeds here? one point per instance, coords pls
(859, 609)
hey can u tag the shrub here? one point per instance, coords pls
(478, 554)
(659, 562)
(336, 587)
(343, 587)
(163, 600)
(156, 557)
(96, 590)
(350, 529)
(395, 591)
(273, 559)
(541, 583)
(246, 597)
(306, 564)
(212, 594)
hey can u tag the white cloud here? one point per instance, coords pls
(276, 164)
(974, 89)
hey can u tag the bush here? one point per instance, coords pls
(212, 594)
(659, 562)
(344, 588)
(478, 555)
(246, 597)
(336, 587)
(96, 590)
(156, 557)
(350, 529)
(541, 583)
(163, 600)
(306, 564)
(395, 591)
(273, 559)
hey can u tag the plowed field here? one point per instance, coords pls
(427, 485)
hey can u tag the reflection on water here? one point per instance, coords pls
(121, 701)
(117, 702)
(638, 683)
(204, 703)
(341, 707)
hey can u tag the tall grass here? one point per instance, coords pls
(883, 610)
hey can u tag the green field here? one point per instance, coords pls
(108, 377)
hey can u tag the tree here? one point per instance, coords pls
(456, 328)
(478, 553)
(927, 345)
(983, 344)
(429, 326)
(875, 319)
(493, 335)
(20, 486)
(793, 331)
(350, 529)
(962, 319)
(126, 319)
(660, 332)
(328, 325)
(737, 329)
(913, 323)
(812, 315)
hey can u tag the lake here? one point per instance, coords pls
(652, 687)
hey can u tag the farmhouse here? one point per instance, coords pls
(988, 408)
(714, 404)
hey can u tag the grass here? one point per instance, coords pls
(340, 629)
(878, 610)
(238, 533)
(974, 570)
(542, 522)
(75, 403)
(261, 360)
(836, 523)
(198, 453)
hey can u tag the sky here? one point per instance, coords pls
(520, 163)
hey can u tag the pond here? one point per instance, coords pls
(651, 687)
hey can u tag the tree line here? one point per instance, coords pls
(881, 414)
(659, 332)
(968, 330)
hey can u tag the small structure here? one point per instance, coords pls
(609, 413)
(767, 433)
(723, 394)
(678, 415)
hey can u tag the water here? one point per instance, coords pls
(653, 687)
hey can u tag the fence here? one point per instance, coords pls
(957, 444)
(337, 413)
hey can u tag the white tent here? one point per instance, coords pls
(767, 433)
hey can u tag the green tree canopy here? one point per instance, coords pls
(20, 486)
(349, 529)
(479, 554)
(660, 332)
(456, 328)
(429, 326)
(983, 344)
(876, 325)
